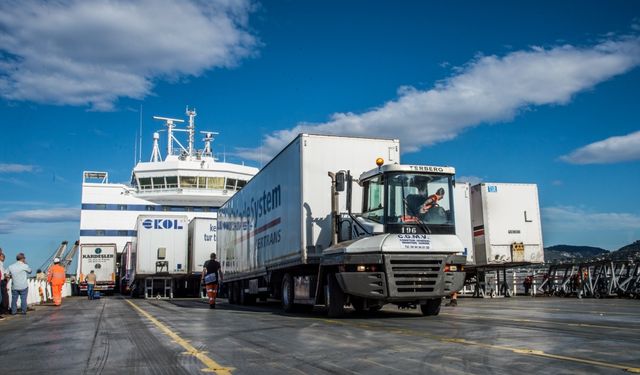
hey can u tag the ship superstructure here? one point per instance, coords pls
(187, 181)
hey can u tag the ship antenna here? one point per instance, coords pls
(155, 154)
(191, 128)
(169, 123)
(208, 138)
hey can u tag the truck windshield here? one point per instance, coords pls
(420, 198)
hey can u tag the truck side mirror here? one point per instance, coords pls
(340, 180)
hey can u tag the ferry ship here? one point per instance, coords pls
(187, 182)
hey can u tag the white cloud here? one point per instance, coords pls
(93, 52)
(16, 168)
(52, 215)
(489, 89)
(573, 218)
(610, 150)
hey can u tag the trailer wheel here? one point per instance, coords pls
(432, 307)
(334, 297)
(235, 292)
(287, 293)
(246, 298)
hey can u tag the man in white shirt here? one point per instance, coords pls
(19, 283)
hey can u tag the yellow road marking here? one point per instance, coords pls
(212, 366)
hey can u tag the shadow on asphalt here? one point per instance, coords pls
(273, 308)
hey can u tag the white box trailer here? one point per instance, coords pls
(506, 224)
(160, 246)
(101, 259)
(282, 234)
(202, 242)
(462, 207)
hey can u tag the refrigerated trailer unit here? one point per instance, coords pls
(283, 235)
(159, 255)
(506, 224)
(101, 259)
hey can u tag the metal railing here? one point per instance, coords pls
(39, 292)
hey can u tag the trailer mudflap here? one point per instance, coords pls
(363, 284)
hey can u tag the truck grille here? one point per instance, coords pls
(412, 276)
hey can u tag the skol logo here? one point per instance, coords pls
(162, 224)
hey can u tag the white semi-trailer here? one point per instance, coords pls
(283, 234)
(159, 255)
(506, 224)
(101, 259)
(202, 242)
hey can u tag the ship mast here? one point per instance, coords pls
(169, 123)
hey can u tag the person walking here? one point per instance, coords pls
(91, 283)
(56, 277)
(211, 276)
(41, 278)
(19, 283)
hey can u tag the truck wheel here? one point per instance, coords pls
(246, 298)
(235, 292)
(287, 293)
(229, 291)
(334, 297)
(432, 307)
(358, 304)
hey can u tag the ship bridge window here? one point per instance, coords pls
(202, 182)
(216, 183)
(158, 182)
(188, 182)
(172, 182)
(101, 206)
(231, 184)
(241, 184)
(150, 208)
(145, 183)
(122, 207)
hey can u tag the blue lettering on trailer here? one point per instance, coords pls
(162, 224)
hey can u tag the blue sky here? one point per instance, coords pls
(539, 92)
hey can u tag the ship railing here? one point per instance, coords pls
(39, 292)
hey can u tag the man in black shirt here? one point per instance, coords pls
(211, 276)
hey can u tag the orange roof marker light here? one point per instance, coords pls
(379, 162)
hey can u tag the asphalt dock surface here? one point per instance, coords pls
(116, 335)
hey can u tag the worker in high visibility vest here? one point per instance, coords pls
(56, 278)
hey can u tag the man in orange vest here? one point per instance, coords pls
(56, 277)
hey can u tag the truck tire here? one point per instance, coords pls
(358, 304)
(432, 307)
(287, 293)
(235, 292)
(334, 297)
(229, 291)
(246, 298)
